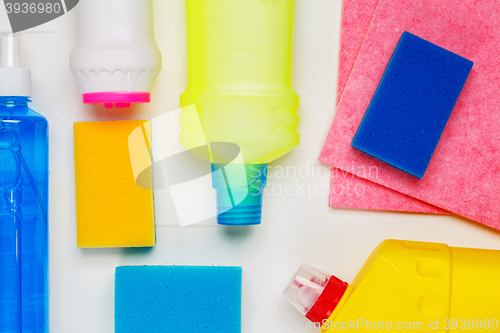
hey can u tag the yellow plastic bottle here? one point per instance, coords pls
(408, 286)
(240, 69)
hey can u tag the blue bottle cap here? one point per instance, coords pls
(239, 190)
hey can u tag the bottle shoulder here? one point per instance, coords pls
(399, 283)
(34, 114)
(22, 112)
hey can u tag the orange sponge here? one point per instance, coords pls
(111, 209)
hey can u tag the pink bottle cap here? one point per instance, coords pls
(121, 99)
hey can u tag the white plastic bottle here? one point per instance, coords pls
(115, 59)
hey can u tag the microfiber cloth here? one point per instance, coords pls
(180, 299)
(411, 106)
(346, 189)
(461, 177)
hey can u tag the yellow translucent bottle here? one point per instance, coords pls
(408, 286)
(240, 67)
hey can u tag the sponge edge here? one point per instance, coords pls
(111, 210)
(412, 104)
(177, 299)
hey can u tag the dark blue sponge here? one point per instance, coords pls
(177, 299)
(411, 106)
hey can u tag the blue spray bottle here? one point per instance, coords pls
(23, 198)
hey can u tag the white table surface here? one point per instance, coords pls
(297, 228)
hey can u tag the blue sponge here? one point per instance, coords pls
(177, 299)
(411, 106)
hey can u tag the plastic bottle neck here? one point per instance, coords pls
(13, 101)
(239, 190)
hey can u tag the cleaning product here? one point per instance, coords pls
(411, 286)
(239, 61)
(115, 59)
(462, 177)
(24, 246)
(112, 210)
(180, 299)
(413, 102)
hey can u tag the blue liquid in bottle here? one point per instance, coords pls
(23, 200)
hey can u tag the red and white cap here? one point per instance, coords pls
(315, 293)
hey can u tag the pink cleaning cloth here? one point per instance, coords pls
(346, 189)
(462, 176)
(356, 18)
(350, 191)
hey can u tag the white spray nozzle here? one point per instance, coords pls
(15, 80)
(11, 50)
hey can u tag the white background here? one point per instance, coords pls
(298, 228)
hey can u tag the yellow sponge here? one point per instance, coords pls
(111, 209)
